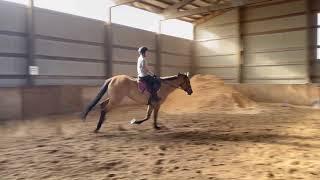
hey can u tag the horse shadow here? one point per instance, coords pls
(211, 137)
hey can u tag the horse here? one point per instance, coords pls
(121, 86)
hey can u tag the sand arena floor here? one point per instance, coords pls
(267, 141)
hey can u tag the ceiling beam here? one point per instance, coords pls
(148, 7)
(176, 6)
(201, 10)
(210, 16)
(122, 2)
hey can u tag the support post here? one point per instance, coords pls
(193, 52)
(108, 44)
(311, 39)
(158, 50)
(30, 42)
(241, 46)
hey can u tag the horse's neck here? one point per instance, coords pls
(167, 86)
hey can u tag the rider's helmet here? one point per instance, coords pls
(142, 50)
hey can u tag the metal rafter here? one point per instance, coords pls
(215, 7)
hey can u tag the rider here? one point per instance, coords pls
(147, 76)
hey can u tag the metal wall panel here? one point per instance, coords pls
(12, 44)
(175, 45)
(12, 17)
(274, 10)
(218, 47)
(66, 49)
(275, 24)
(169, 59)
(70, 68)
(211, 61)
(282, 57)
(88, 82)
(217, 32)
(275, 72)
(284, 40)
(13, 66)
(131, 37)
(56, 24)
(126, 55)
(12, 82)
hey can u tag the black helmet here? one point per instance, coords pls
(142, 50)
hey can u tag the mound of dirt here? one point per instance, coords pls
(209, 93)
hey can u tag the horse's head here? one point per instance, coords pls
(185, 83)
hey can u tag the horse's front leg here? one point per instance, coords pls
(155, 116)
(149, 112)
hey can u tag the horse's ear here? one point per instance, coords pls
(187, 74)
(179, 74)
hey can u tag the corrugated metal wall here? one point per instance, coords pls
(217, 47)
(13, 51)
(175, 55)
(125, 42)
(275, 43)
(70, 50)
(266, 43)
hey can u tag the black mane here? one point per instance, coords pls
(168, 78)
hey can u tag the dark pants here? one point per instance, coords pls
(153, 85)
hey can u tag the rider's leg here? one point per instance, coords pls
(154, 90)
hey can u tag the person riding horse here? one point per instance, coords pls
(118, 87)
(147, 76)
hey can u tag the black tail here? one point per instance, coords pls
(102, 91)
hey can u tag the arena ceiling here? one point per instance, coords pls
(193, 11)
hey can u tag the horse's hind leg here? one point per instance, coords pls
(149, 112)
(105, 106)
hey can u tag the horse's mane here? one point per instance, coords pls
(168, 78)
(165, 78)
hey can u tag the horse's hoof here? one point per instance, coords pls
(157, 127)
(96, 131)
(133, 121)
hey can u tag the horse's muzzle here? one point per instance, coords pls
(189, 92)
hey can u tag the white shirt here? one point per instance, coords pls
(142, 67)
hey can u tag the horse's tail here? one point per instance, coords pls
(102, 91)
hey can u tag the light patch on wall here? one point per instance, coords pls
(124, 15)
(177, 28)
(137, 18)
(95, 9)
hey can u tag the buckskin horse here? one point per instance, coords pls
(121, 86)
